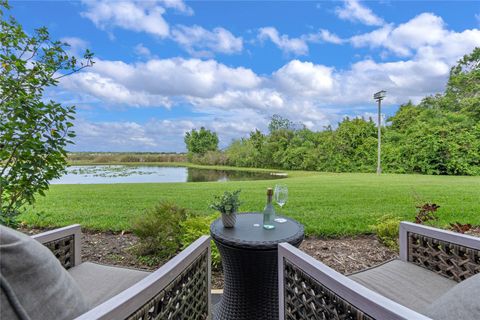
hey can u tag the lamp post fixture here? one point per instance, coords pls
(379, 96)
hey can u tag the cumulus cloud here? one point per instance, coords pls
(201, 42)
(304, 78)
(155, 82)
(323, 36)
(296, 46)
(139, 16)
(425, 34)
(353, 10)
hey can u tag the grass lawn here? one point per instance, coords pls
(327, 204)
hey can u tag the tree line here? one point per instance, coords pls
(440, 136)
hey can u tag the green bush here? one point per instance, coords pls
(159, 230)
(386, 230)
(195, 227)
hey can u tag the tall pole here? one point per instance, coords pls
(379, 129)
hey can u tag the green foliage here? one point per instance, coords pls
(228, 202)
(33, 132)
(195, 227)
(387, 230)
(215, 158)
(159, 230)
(201, 141)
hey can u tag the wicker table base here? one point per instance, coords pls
(251, 278)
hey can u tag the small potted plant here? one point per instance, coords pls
(227, 204)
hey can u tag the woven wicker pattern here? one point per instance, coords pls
(186, 297)
(450, 260)
(306, 298)
(251, 287)
(64, 250)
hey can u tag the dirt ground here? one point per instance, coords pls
(345, 255)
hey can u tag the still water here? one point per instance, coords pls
(97, 174)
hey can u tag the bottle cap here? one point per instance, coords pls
(269, 192)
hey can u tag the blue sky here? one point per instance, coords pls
(165, 67)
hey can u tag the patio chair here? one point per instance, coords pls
(437, 277)
(180, 289)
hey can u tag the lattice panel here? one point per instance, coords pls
(64, 250)
(306, 298)
(186, 297)
(450, 260)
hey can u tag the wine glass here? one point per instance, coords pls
(281, 194)
(281, 197)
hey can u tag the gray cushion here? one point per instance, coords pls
(99, 283)
(405, 283)
(462, 302)
(33, 282)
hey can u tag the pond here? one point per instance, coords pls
(97, 174)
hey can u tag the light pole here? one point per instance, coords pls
(379, 96)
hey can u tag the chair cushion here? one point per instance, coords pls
(34, 285)
(99, 282)
(462, 302)
(405, 283)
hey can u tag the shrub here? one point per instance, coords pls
(195, 227)
(386, 230)
(214, 158)
(159, 230)
(426, 212)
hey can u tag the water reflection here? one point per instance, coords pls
(203, 175)
(99, 174)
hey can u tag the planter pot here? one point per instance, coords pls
(229, 219)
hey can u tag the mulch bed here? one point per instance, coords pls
(345, 255)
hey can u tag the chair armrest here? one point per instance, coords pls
(65, 243)
(180, 289)
(453, 255)
(309, 289)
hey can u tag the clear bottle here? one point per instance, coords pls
(269, 212)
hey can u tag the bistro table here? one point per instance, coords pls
(250, 266)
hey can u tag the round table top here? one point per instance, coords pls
(246, 235)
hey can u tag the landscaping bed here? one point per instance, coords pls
(345, 255)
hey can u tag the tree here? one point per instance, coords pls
(33, 132)
(201, 141)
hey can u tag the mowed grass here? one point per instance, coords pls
(327, 204)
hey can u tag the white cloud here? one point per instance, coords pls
(425, 34)
(323, 36)
(178, 5)
(352, 10)
(108, 90)
(201, 42)
(296, 46)
(143, 51)
(304, 78)
(77, 46)
(139, 16)
(154, 82)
